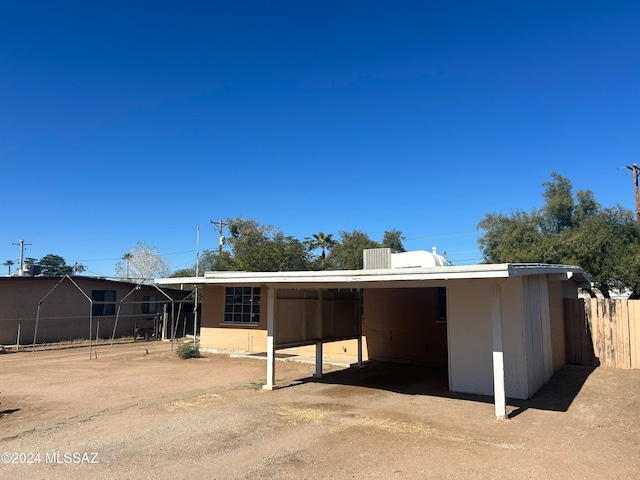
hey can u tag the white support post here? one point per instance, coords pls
(358, 312)
(271, 346)
(358, 364)
(318, 373)
(319, 333)
(498, 354)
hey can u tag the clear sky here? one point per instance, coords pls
(136, 120)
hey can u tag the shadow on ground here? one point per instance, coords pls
(556, 395)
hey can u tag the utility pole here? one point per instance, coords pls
(220, 225)
(22, 244)
(197, 249)
(634, 168)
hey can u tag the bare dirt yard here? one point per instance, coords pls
(138, 411)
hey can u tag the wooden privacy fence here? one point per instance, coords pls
(602, 331)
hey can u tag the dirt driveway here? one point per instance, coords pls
(140, 412)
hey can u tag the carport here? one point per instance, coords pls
(504, 330)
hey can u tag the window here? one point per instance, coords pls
(101, 305)
(150, 304)
(441, 304)
(242, 305)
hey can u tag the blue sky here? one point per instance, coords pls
(140, 120)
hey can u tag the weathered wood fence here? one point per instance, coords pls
(603, 331)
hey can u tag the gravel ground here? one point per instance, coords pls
(138, 411)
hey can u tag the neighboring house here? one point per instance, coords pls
(498, 329)
(64, 307)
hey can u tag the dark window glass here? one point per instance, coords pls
(103, 302)
(242, 305)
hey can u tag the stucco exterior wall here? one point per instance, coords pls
(64, 313)
(400, 324)
(556, 311)
(341, 350)
(469, 339)
(537, 331)
(298, 320)
(215, 335)
(515, 372)
(471, 342)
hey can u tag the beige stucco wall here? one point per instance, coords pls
(215, 335)
(400, 324)
(64, 312)
(469, 339)
(471, 342)
(532, 334)
(296, 322)
(342, 351)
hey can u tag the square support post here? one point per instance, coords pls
(358, 364)
(499, 391)
(271, 345)
(318, 373)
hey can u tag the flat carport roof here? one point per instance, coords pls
(383, 278)
(389, 278)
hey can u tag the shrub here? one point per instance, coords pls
(188, 351)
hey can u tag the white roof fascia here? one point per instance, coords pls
(180, 280)
(559, 272)
(346, 277)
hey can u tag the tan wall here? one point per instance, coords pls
(65, 311)
(342, 350)
(400, 324)
(215, 335)
(297, 321)
(302, 317)
(234, 339)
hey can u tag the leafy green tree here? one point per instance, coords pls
(214, 260)
(393, 239)
(607, 246)
(210, 260)
(347, 254)
(558, 213)
(30, 261)
(263, 248)
(517, 237)
(572, 230)
(55, 265)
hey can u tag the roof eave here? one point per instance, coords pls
(369, 277)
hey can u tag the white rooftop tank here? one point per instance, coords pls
(418, 259)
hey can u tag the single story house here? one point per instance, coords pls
(498, 329)
(54, 309)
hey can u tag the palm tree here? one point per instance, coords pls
(127, 258)
(325, 242)
(8, 263)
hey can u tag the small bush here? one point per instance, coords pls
(188, 351)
